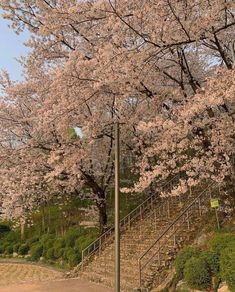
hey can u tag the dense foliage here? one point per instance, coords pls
(196, 274)
(183, 256)
(63, 251)
(227, 264)
(4, 228)
(199, 267)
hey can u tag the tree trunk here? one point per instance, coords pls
(100, 201)
(102, 208)
(22, 231)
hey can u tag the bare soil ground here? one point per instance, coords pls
(17, 277)
(72, 285)
(14, 273)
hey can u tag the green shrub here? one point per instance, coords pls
(92, 232)
(58, 246)
(183, 256)
(46, 237)
(36, 252)
(23, 249)
(9, 249)
(227, 265)
(82, 203)
(44, 253)
(221, 241)
(13, 236)
(67, 252)
(58, 252)
(212, 260)
(16, 247)
(74, 258)
(196, 274)
(4, 229)
(5, 244)
(71, 236)
(47, 243)
(1, 249)
(83, 241)
(32, 240)
(59, 243)
(50, 254)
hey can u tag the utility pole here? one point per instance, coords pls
(117, 206)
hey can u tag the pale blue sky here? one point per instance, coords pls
(11, 47)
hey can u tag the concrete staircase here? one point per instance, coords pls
(149, 245)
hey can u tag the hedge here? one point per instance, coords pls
(197, 274)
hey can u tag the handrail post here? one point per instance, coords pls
(155, 219)
(188, 220)
(105, 265)
(199, 207)
(174, 236)
(100, 244)
(82, 260)
(163, 209)
(168, 209)
(141, 215)
(140, 274)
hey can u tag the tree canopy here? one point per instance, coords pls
(164, 68)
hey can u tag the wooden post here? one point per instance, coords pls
(217, 218)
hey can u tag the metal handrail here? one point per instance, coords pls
(142, 267)
(126, 221)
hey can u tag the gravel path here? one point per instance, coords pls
(14, 273)
(20, 277)
(71, 285)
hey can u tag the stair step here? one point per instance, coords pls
(136, 240)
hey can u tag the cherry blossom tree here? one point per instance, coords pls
(197, 140)
(154, 66)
